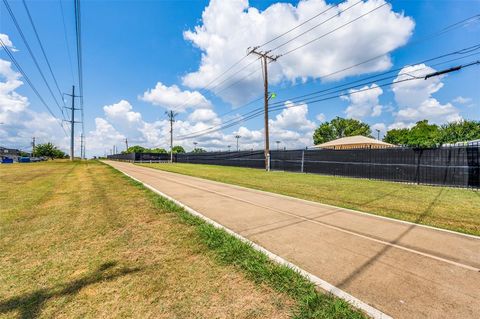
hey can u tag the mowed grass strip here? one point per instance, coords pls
(83, 240)
(449, 208)
(80, 241)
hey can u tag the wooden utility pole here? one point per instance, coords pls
(126, 144)
(266, 58)
(171, 117)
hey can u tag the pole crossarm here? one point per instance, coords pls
(263, 54)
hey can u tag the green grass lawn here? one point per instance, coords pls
(82, 240)
(449, 208)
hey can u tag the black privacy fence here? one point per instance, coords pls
(141, 157)
(451, 166)
(252, 159)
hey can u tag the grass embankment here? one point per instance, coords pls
(449, 208)
(83, 240)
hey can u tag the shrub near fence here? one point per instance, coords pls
(450, 166)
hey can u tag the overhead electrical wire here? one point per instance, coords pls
(66, 40)
(43, 50)
(336, 29)
(449, 28)
(269, 41)
(457, 52)
(25, 41)
(78, 34)
(299, 25)
(261, 112)
(442, 31)
(292, 99)
(319, 24)
(208, 85)
(476, 62)
(275, 106)
(29, 82)
(303, 45)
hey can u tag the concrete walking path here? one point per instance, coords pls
(402, 269)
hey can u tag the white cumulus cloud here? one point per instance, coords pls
(415, 100)
(20, 122)
(291, 128)
(228, 28)
(321, 117)
(462, 100)
(7, 42)
(172, 98)
(204, 115)
(364, 102)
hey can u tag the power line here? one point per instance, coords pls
(456, 68)
(232, 75)
(442, 31)
(288, 52)
(446, 29)
(269, 41)
(19, 29)
(317, 25)
(336, 29)
(344, 86)
(299, 25)
(78, 34)
(42, 49)
(458, 52)
(27, 79)
(66, 40)
(256, 70)
(277, 106)
(241, 59)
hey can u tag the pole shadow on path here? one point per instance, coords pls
(345, 282)
(29, 305)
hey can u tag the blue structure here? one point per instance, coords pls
(7, 160)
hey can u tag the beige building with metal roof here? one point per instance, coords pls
(353, 142)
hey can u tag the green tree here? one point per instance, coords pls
(157, 150)
(49, 150)
(340, 127)
(397, 136)
(136, 149)
(424, 135)
(461, 131)
(198, 150)
(178, 149)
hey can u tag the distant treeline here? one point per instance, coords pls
(422, 134)
(176, 150)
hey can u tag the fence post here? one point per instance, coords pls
(268, 162)
(303, 160)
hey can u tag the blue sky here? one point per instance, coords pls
(130, 46)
